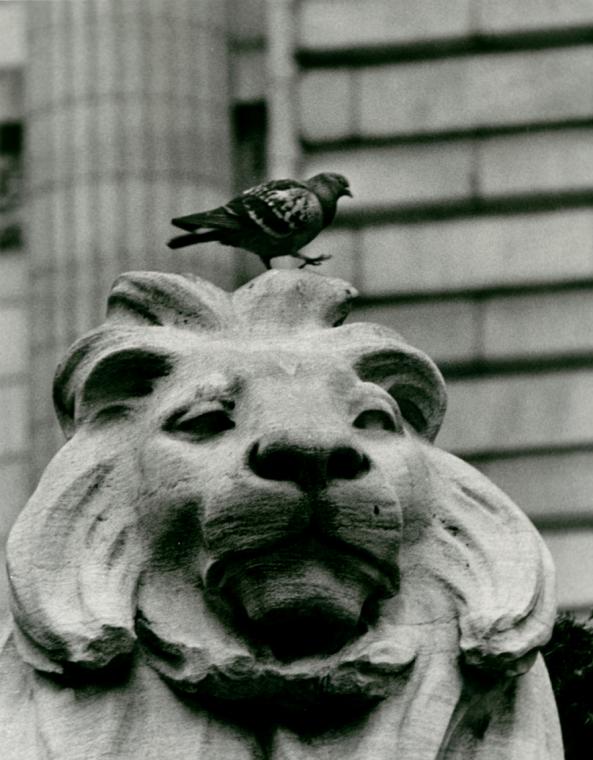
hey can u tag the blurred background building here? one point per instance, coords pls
(466, 129)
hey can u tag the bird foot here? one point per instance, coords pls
(314, 262)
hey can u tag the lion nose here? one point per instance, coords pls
(309, 465)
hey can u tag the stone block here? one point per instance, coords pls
(59, 62)
(214, 14)
(380, 176)
(413, 97)
(48, 439)
(181, 144)
(62, 164)
(249, 76)
(514, 412)
(14, 271)
(160, 40)
(248, 20)
(14, 492)
(108, 200)
(136, 76)
(41, 238)
(133, 140)
(572, 552)
(536, 163)
(448, 330)
(11, 95)
(81, 140)
(59, 249)
(81, 214)
(476, 253)
(182, 60)
(159, 119)
(14, 342)
(12, 34)
(554, 486)
(533, 86)
(41, 319)
(210, 68)
(82, 74)
(326, 104)
(538, 324)
(107, 75)
(38, 73)
(14, 413)
(480, 91)
(327, 24)
(519, 15)
(42, 375)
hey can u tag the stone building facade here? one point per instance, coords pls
(465, 129)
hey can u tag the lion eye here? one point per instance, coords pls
(375, 419)
(202, 425)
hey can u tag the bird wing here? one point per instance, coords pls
(222, 217)
(278, 208)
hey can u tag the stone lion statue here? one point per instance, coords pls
(249, 547)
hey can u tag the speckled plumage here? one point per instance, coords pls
(277, 218)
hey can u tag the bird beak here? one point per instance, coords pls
(348, 192)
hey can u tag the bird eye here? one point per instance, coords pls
(374, 420)
(201, 426)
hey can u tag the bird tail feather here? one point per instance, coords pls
(194, 237)
(220, 218)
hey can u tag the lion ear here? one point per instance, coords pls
(107, 372)
(122, 359)
(495, 562)
(73, 561)
(413, 380)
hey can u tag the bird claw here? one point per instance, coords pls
(317, 261)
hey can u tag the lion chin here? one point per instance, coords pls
(286, 634)
(287, 625)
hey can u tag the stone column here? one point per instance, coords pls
(126, 126)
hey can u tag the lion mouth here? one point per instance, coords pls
(303, 599)
(317, 627)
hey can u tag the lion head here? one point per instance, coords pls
(250, 497)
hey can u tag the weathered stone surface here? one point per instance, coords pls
(402, 175)
(557, 323)
(509, 88)
(464, 254)
(250, 547)
(521, 412)
(541, 162)
(459, 94)
(327, 24)
(572, 551)
(514, 15)
(325, 100)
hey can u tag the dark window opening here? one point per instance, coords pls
(11, 144)
(249, 122)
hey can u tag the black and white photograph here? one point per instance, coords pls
(296, 379)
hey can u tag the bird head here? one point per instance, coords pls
(329, 184)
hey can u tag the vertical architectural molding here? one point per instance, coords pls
(127, 125)
(283, 119)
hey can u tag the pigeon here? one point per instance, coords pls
(276, 218)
